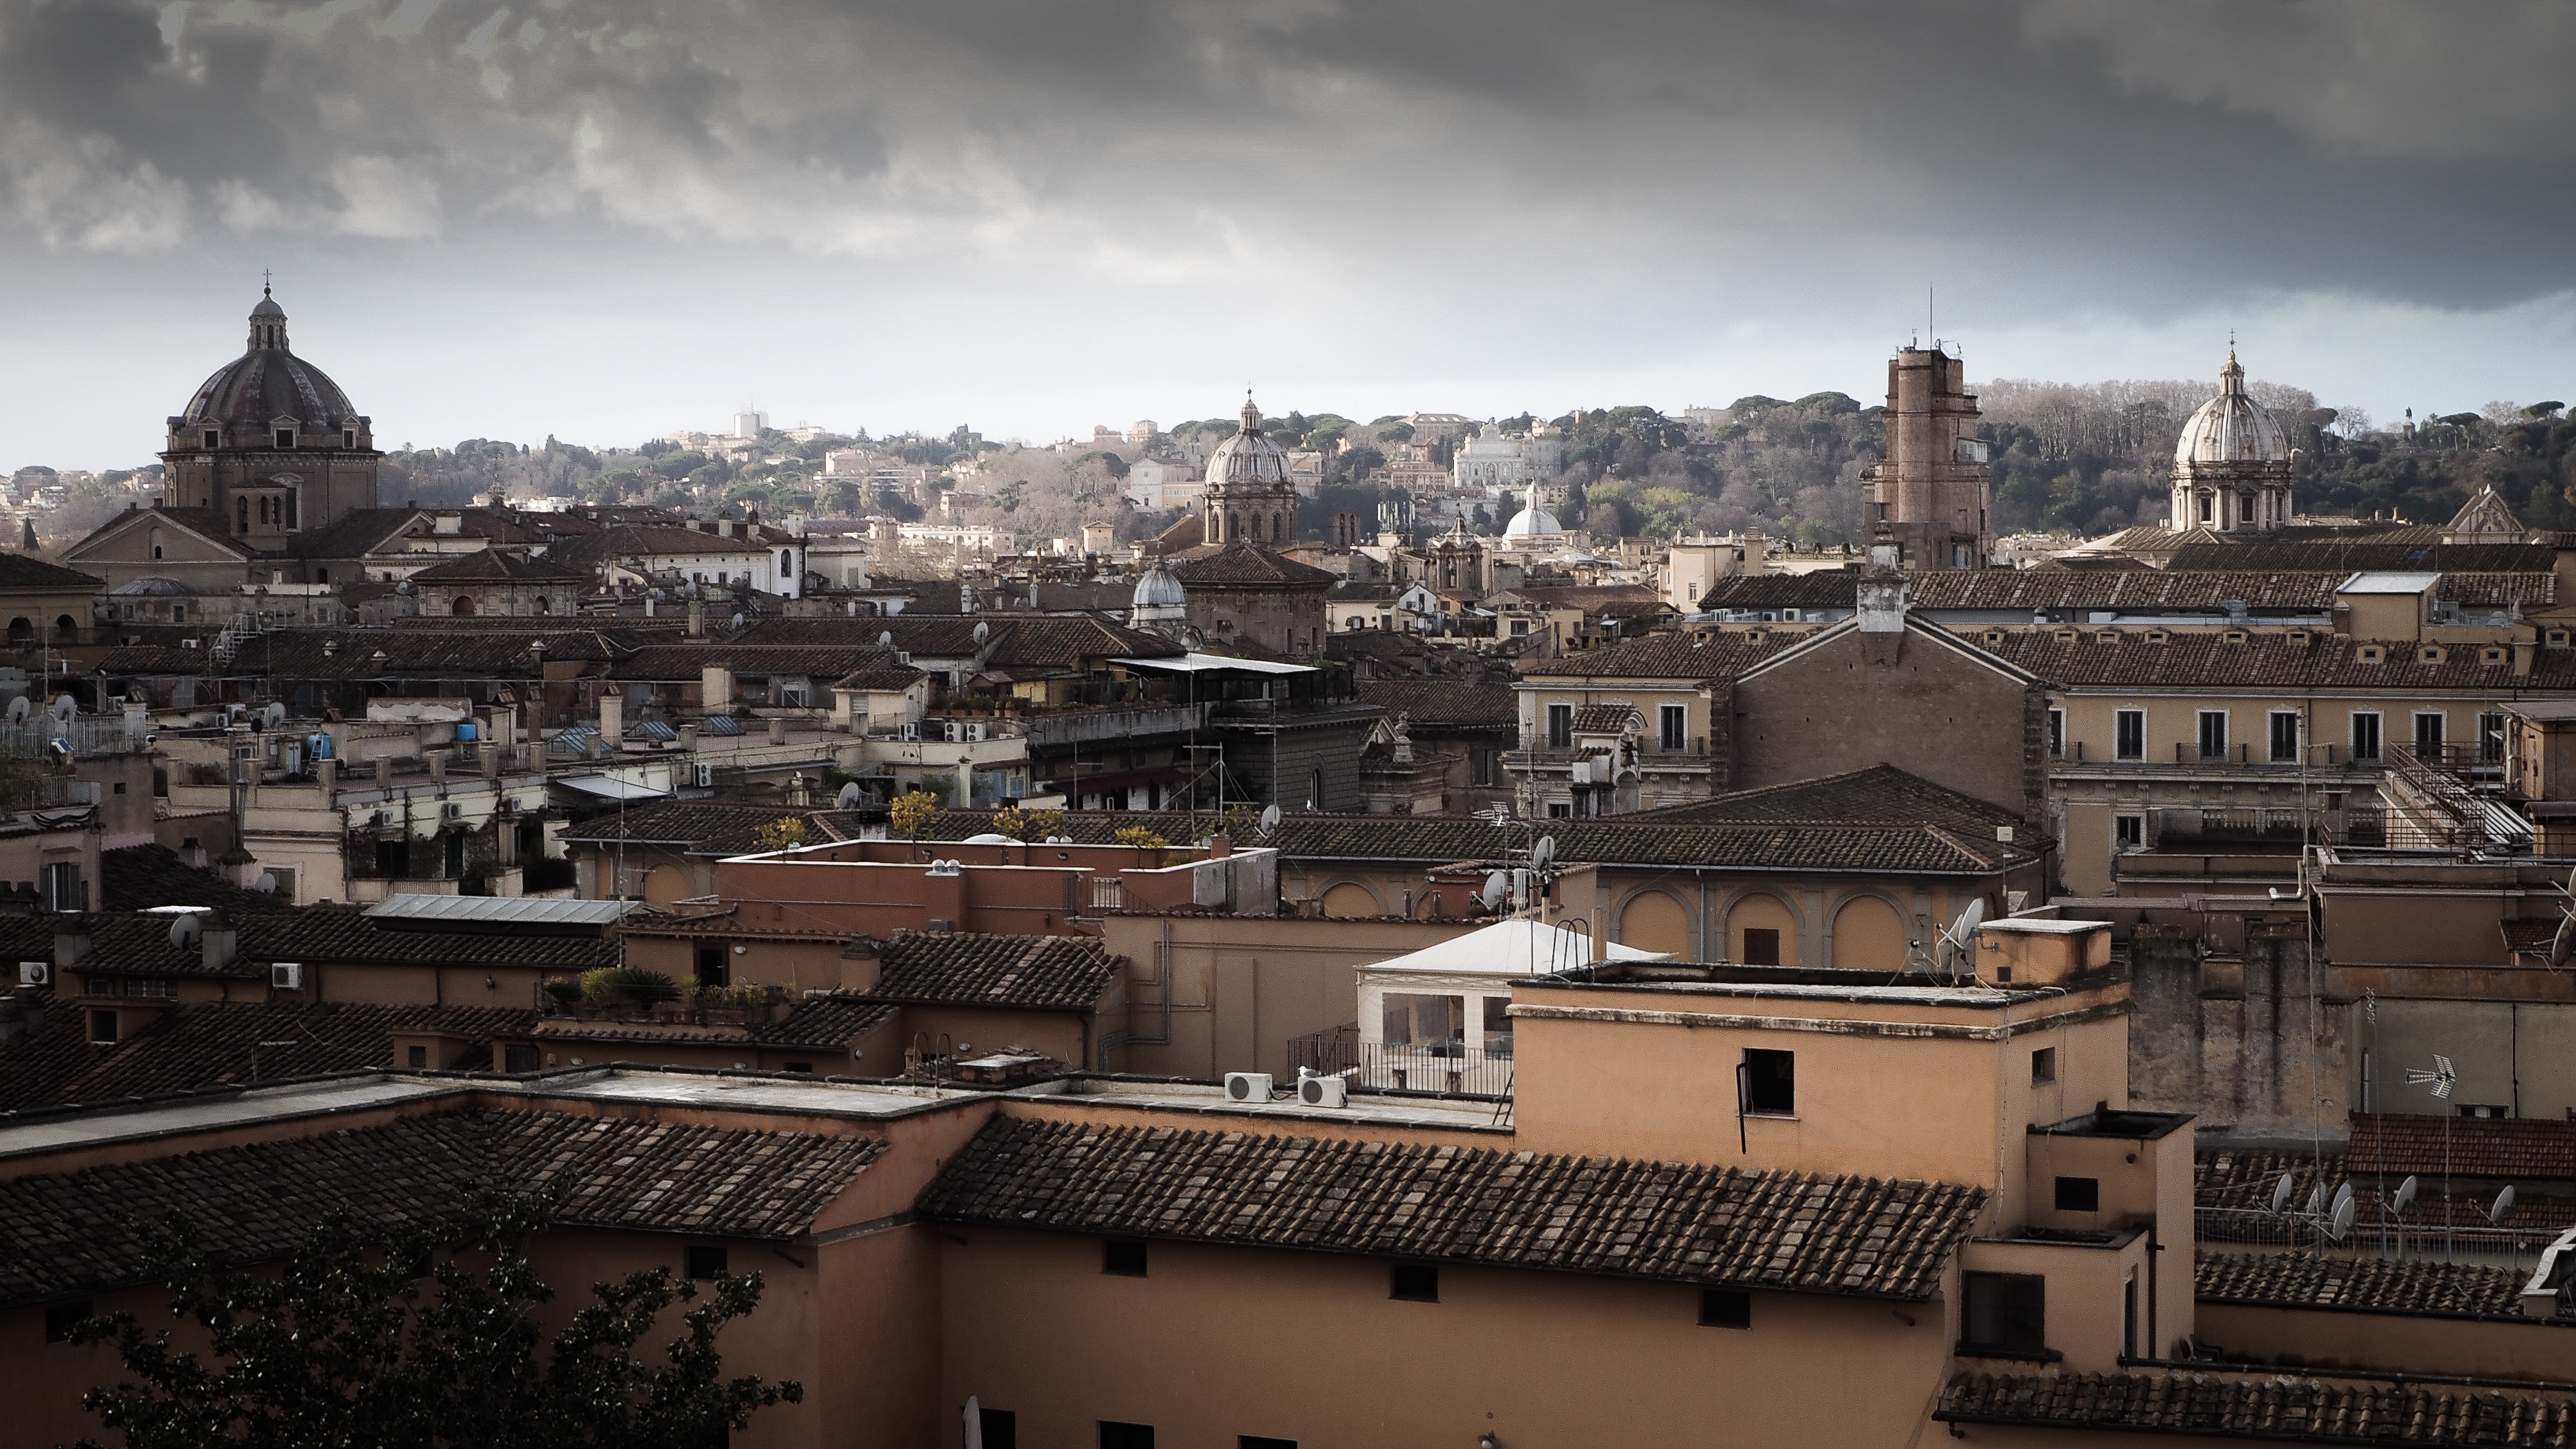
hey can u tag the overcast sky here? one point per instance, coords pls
(611, 218)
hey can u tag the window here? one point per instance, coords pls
(713, 970)
(159, 988)
(2057, 734)
(2365, 735)
(1114, 1435)
(1480, 767)
(706, 1262)
(1560, 726)
(2285, 736)
(2213, 734)
(348, 437)
(2491, 738)
(286, 437)
(102, 1027)
(1498, 1025)
(1414, 1019)
(1124, 1257)
(1761, 946)
(1672, 726)
(1725, 1308)
(2006, 1311)
(2129, 734)
(2043, 1066)
(1001, 1427)
(519, 1057)
(1414, 1283)
(63, 888)
(62, 1318)
(2428, 737)
(1519, 627)
(416, 1056)
(214, 439)
(2128, 832)
(803, 1068)
(1770, 1083)
(2079, 1194)
(1559, 809)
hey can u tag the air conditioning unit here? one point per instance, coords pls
(35, 973)
(1324, 1091)
(912, 732)
(706, 777)
(450, 810)
(286, 975)
(1247, 1086)
(383, 819)
(975, 733)
(948, 731)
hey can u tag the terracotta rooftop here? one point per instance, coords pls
(19, 571)
(1677, 1222)
(1880, 793)
(2274, 1406)
(1435, 703)
(2264, 659)
(59, 1237)
(1241, 565)
(133, 877)
(342, 934)
(2415, 554)
(2359, 1285)
(1684, 656)
(2486, 1147)
(964, 968)
(498, 566)
(216, 1044)
(2135, 590)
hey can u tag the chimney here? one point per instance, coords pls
(218, 943)
(778, 731)
(328, 773)
(2522, 652)
(612, 716)
(437, 766)
(1220, 846)
(384, 772)
(697, 619)
(688, 737)
(491, 760)
(1753, 553)
(863, 964)
(715, 689)
(724, 528)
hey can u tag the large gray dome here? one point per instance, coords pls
(268, 382)
(2232, 427)
(1250, 458)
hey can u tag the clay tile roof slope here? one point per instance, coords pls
(18, 571)
(69, 1233)
(1603, 719)
(1068, 642)
(948, 636)
(2352, 557)
(2268, 659)
(2358, 1285)
(1880, 793)
(342, 934)
(2274, 1406)
(120, 945)
(137, 877)
(1825, 589)
(2523, 1148)
(1718, 655)
(830, 1020)
(1453, 702)
(1678, 1222)
(1065, 973)
(480, 654)
(685, 662)
(494, 565)
(675, 822)
(1240, 565)
(219, 1044)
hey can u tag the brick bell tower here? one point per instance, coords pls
(1934, 491)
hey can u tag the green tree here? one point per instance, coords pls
(419, 1339)
(912, 812)
(785, 833)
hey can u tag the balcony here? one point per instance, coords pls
(1451, 1067)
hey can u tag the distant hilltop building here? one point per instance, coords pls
(1251, 492)
(1932, 492)
(1142, 431)
(2232, 463)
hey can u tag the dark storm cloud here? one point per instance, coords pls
(2288, 145)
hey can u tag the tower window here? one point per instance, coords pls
(286, 437)
(214, 438)
(348, 437)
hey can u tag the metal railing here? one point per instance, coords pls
(2410, 1239)
(1108, 893)
(1435, 1067)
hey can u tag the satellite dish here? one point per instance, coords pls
(64, 708)
(1971, 918)
(2405, 1196)
(184, 931)
(1954, 941)
(737, 618)
(266, 884)
(19, 709)
(1543, 854)
(275, 713)
(2340, 1225)
(2343, 1198)
(1269, 813)
(850, 797)
(2281, 1193)
(2317, 1200)
(2503, 1206)
(1497, 885)
(983, 632)
(885, 640)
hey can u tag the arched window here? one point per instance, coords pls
(241, 515)
(541, 607)
(64, 628)
(786, 563)
(156, 543)
(321, 576)
(21, 631)
(464, 606)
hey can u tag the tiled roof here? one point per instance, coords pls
(495, 651)
(204, 522)
(939, 636)
(961, 968)
(2355, 556)
(334, 934)
(2358, 1285)
(825, 1019)
(631, 541)
(685, 662)
(137, 877)
(132, 659)
(1824, 589)
(353, 534)
(2489, 1147)
(1615, 840)
(887, 677)
(1068, 642)
(2267, 659)
(1604, 719)
(2138, 591)
(498, 566)
(675, 822)
(1241, 565)
(1716, 655)
(21, 571)
(119, 945)
(69, 1233)
(1680, 1222)
(2274, 1406)
(218, 1044)
(1433, 703)
(1881, 793)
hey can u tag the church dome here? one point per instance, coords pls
(2232, 427)
(1157, 589)
(267, 382)
(1250, 459)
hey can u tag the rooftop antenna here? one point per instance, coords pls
(1953, 946)
(2440, 1081)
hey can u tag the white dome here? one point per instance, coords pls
(2232, 427)
(1157, 589)
(1249, 459)
(1530, 522)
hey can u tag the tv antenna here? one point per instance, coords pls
(1953, 947)
(2441, 1081)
